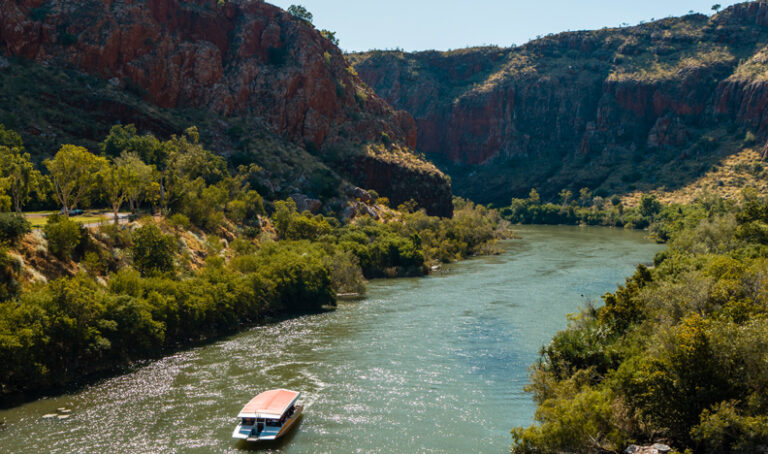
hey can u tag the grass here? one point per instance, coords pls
(729, 177)
(39, 218)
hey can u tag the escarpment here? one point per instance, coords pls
(614, 110)
(228, 59)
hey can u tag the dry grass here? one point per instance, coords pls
(736, 172)
(651, 67)
(756, 68)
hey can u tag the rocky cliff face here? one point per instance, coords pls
(614, 110)
(231, 58)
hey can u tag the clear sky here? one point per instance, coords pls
(452, 24)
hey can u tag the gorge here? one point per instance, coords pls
(615, 110)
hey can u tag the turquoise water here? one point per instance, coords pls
(433, 364)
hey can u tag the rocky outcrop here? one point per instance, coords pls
(656, 448)
(584, 108)
(233, 57)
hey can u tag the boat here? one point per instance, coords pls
(269, 415)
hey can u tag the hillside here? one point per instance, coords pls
(264, 86)
(650, 107)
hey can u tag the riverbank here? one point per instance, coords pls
(676, 355)
(155, 286)
(414, 356)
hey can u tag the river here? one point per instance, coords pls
(427, 365)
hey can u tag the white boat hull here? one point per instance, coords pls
(269, 433)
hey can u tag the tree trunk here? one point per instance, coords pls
(162, 195)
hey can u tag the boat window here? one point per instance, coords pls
(249, 421)
(273, 423)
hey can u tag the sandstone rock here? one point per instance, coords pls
(241, 58)
(656, 448)
(304, 203)
(355, 209)
(362, 195)
(538, 111)
(668, 130)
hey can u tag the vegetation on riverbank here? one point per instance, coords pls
(678, 354)
(77, 301)
(584, 208)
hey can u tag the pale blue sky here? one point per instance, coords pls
(451, 24)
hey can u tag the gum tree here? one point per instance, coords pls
(74, 174)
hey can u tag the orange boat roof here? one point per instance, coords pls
(269, 404)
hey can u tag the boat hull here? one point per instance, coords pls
(269, 433)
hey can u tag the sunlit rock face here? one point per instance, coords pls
(232, 58)
(543, 112)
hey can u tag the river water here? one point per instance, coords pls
(433, 364)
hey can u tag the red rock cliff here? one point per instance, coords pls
(234, 57)
(601, 109)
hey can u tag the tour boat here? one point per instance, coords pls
(268, 416)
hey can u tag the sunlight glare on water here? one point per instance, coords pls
(428, 365)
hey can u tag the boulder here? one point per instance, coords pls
(304, 203)
(656, 448)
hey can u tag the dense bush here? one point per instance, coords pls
(9, 268)
(63, 235)
(164, 291)
(152, 250)
(13, 226)
(678, 353)
(586, 210)
(74, 327)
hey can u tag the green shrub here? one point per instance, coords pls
(63, 235)
(330, 36)
(346, 274)
(300, 12)
(726, 429)
(13, 226)
(300, 278)
(237, 210)
(575, 420)
(179, 221)
(9, 269)
(152, 250)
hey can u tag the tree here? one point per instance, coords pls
(716, 7)
(74, 173)
(300, 12)
(22, 177)
(330, 36)
(585, 197)
(125, 139)
(649, 205)
(126, 179)
(152, 250)
(283, 215)
(187, 162)
(12, 227)
(534, 197)
(138, 178)
(10, 138)
(565, 196)
(113, 180)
